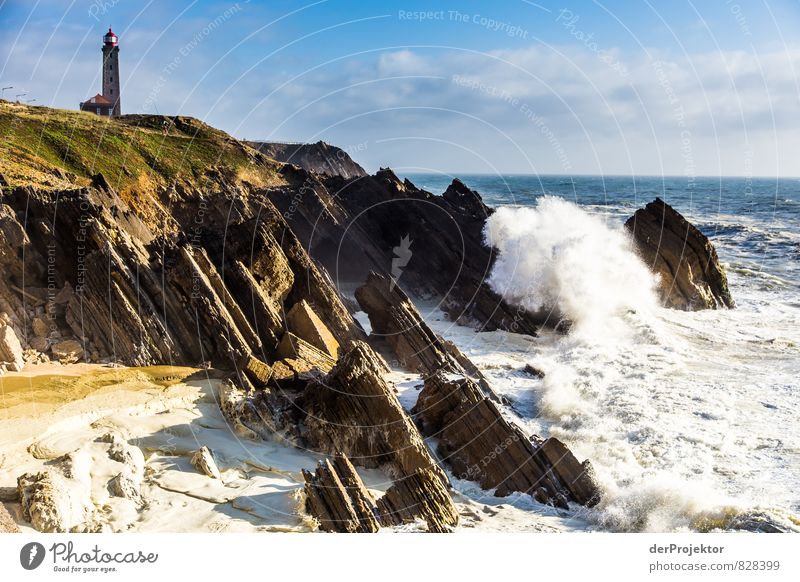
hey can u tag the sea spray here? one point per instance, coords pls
(604, 389)
(556, 257)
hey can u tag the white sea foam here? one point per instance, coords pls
(557, 257)
(688, 417)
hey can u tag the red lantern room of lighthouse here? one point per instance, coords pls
(110, 39)
(107, 102)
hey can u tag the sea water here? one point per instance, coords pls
(689, 418)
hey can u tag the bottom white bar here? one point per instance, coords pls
(401, 556)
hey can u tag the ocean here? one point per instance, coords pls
(689, 418)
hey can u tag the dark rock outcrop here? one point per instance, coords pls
(352, 412)
(320, 157)
(394, 318)
(430, 245)
(419, 496)
(212, 290)
(336, 496)
(686, 261)
(480, 445)
(474, 438)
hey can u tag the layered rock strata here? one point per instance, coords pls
(690, 274)
(474, 438)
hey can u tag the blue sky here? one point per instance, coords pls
(679, 88)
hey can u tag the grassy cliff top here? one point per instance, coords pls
(57, 148)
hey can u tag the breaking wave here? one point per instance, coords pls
(556, 257)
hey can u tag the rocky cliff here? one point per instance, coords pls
(192, 248)
(321, 158)
(431, 246)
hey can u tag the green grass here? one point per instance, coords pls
(56, 148)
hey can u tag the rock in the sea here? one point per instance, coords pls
(67, 351)
(691, 276)
(454, 406)
(7, 523)
(453, 410)
(203, 461)
(11, 353)
(577, 477)
(337, 498)
(532, 371)
(394, 318)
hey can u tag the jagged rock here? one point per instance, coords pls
(122, 452)
(64, 295)
(466, 200)
(203, 461)
(239, 412)
(7, 523)
(125, 486)
(416, 496)
(40, 327)
(67, 351)
(12, 238)
(691, 276)
(302, 321)
(140, 298)
(319, 157)
(11, 354)
(266, 414)
(53, 502)
(578, 477)
(394, 318)
(259, 372)
(454, 410)
(293, 348)
(354, 410)
(40, 344)
(337, 498)
(430, 245)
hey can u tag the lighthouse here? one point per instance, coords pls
(111, 70)
(107, 102)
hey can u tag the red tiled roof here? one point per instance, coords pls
(99, 100)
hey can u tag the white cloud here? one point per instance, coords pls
(543, 108)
